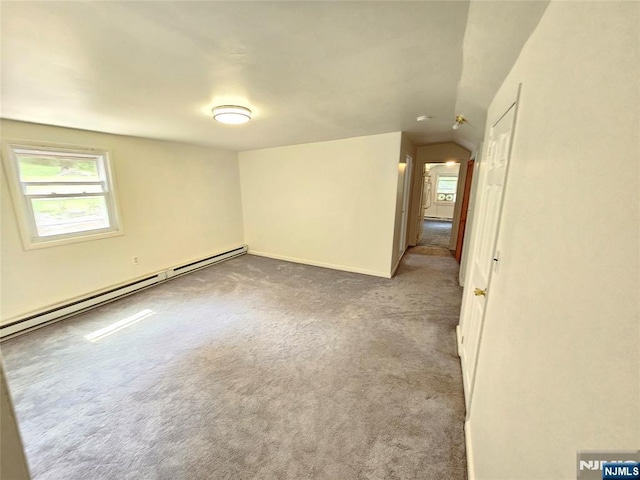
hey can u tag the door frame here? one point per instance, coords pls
(406, 197)
(464, 207)
(474, 239)
(421, 204)
(417, 182)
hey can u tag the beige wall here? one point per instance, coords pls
(330, 204)
(559, 365)
(407, 148)
(13, 464)
(433, 153)
(178, 203)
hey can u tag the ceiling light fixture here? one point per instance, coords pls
(459, 121)
(231, 114)
(423, 118)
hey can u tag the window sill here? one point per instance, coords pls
(30, 245)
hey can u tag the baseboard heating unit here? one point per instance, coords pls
(65, 310)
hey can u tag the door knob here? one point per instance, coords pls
(477, 292)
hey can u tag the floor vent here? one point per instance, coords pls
(59, 312)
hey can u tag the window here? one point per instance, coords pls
(446, 189)
(62, 195)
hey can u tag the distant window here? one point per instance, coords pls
(62, 195)
(446, 189)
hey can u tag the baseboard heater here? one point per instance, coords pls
(62, 311)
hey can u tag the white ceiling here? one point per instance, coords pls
(310, 71)
(495, 34)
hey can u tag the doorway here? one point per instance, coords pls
(485, 257)
(439, 200)
(406, 192)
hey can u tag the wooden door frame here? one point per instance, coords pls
(464, 209)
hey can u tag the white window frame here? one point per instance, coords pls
(22, 204)
(446, 175)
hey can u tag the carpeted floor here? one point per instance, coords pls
(252, 369)
(435, 233)
(438, 251)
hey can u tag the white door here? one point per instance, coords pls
(482, 259)
(405, 204)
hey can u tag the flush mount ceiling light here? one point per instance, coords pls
(231, 114)
(459, 121)
(424, 118)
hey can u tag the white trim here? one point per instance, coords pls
(22, 209)
(65, 241)
(66, 309)
(393, 271)
(189, 267)
(406, 201)
(332, 266)
(468, 444)
(61, 310)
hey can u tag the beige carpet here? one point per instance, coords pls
(252, 369)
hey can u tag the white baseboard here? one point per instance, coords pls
(471, 471)
(73, 306)
(314, 263)
(393, 272)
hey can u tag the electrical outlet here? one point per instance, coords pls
(135, 260)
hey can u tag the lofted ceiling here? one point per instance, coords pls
(309, 71)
